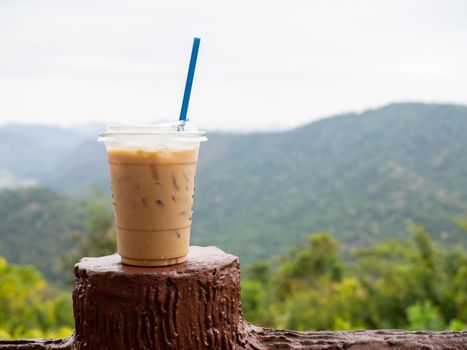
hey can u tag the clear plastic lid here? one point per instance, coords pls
(181, 133)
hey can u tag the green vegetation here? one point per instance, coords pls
(52, 232)
(35, 227)
(31, 308)
(97, 236)
(411, 284)
(358, 176)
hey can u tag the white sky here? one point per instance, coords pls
(262, 64)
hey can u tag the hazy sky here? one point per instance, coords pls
(261, 64)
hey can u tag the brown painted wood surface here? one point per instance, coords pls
(194, 305)
(261, 338)
(38, 344)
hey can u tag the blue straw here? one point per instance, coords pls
(189, 79)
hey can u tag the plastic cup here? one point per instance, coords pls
(152, 173)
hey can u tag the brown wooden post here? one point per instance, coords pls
(194, 305)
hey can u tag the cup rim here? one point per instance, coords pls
(152, 133)
(149, 130)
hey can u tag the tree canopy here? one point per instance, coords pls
(411, 284)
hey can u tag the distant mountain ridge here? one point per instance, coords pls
(33, 150)
(360, 176)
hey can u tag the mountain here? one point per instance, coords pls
(360, 176)
(35, 228)
(81, 170)
(32, 150)
(69, 160)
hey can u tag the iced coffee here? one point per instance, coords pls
(152, 194)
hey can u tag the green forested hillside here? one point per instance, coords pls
(358, 176)
(82, 170)
(35, 228)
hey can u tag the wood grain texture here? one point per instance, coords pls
(257, 338)
(193, 305)
(38, 344)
